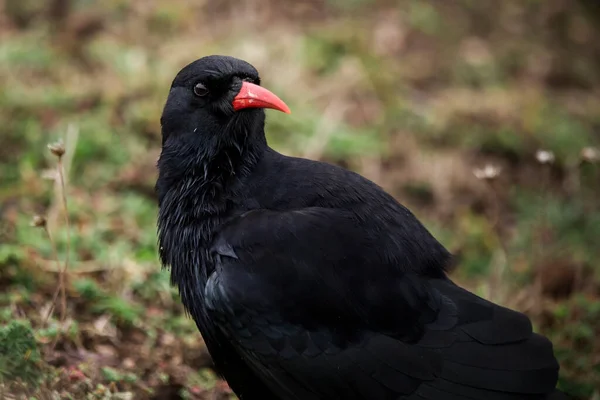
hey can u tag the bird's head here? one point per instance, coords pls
(213, 130)
(215, 102)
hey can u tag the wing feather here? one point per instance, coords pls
(316, 318)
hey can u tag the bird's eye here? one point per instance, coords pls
(200, 90)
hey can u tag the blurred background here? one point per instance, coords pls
(482, 116)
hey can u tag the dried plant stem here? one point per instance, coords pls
(59, 150)
(58, 268)
(63, 293)
(62, 274)
(83, 267)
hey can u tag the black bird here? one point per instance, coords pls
(308, 281)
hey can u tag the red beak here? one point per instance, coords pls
(254, 96)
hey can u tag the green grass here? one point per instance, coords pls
(20, 359)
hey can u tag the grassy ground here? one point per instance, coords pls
(419, 96)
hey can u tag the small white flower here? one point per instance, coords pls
(590, 154)
(489, 172)
(544, 156)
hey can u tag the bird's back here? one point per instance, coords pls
(330, 289)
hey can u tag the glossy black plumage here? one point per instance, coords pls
(308, 281)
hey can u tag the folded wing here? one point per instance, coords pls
(318, 311)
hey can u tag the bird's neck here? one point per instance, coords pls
(196, 189)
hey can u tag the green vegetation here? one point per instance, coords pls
(19, 354)
(414, 94)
